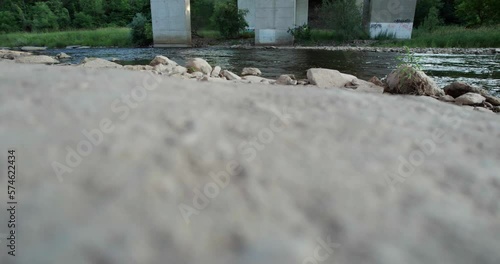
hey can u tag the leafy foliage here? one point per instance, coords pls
(141, 30)
(201, 11)
(228, 19)
(432, 21)
(423, 8)
(43, 18)
(479, 12)
(343, 16)
(300, 33)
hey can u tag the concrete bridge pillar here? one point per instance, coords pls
(391, 17)
(273, 18)
(171, 23)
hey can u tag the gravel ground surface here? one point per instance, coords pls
(116, 166)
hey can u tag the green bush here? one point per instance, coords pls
(343, 16)
(8, 22)
(423, 8)
(228, 19)
(141, 31)
(300, 33)
(479, 12)
(43, 18)
(83, 20)
(201, 11)
(432, 21)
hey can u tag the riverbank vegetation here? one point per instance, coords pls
(58, 23)
(104, 37)
(450, 37)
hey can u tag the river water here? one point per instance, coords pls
(478, 70)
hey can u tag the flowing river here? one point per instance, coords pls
(478, 70)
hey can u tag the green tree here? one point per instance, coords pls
(63, 19)
(479, 12)
(95, 8)
(343, 16)
(118, 12)
(201, 11)
(8, 22)
(228, 19)
(423, 8)
(141, 33)
(83, 20)
(43, 18)
(432, 21)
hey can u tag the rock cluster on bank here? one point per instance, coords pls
(404, 80)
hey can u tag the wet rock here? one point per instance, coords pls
(408, 80)
(162, 60)
(303, 82)
(251, 71)
(470, 99)
(36, 59)
(447, 98)
(375, 80)
(198, 65)
(326, 78)
(62, 56)
(99, 63)
(286, 80)
(216, 71)
(33, 48)
(488, 105)
(457, 89)
(230, 75)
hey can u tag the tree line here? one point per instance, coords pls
(53, 15)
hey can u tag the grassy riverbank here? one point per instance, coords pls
(450, 37)
(443, 37)
(105, 37)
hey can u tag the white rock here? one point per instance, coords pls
(162, 60)
(198, 64)
(326, 78)
(197, 74)
(36, 59)
(251, 71)
(482, 109)
(216, 71)
(286, 80)
(32, 48)
(99, 63)
(164, 68)
(139, 68)
(179, 70)
(256, 79)
(62, 55)
(230, 75)
(470, 99)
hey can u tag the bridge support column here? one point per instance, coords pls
(171, 23)
(393, 18)
(273, 18)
